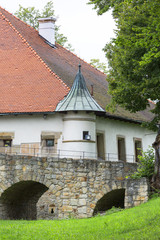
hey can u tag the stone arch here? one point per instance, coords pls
(114, 198)
(19, 200)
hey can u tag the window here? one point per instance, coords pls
(49, 142)
(100, 146)
(137, 148)
(7, 143)
(86, 135)
(121, 149)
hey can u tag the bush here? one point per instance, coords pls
(145, 165)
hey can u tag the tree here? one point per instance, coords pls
(48, 10)
(134, 55)
(134, 59)
(99, 65)
(30, 15)
(103, 6)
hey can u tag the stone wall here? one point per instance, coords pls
(64, 188)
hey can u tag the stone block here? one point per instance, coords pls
(70, 185)
(83, 179)
(92, 205)
(137, 203)
(82, 202)
(66, 194)
(120, 178)
(82, 210)
(18, 167)
(84, 184)
(84, 190)
(58, 194)
(66, 201)
(63, 165)
(67, 208)
(74, 202)
(83, 196)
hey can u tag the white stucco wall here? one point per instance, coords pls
(114, 128)
(74, 124)
(28, 129)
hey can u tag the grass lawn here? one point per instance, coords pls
(142, 222)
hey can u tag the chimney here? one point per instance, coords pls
(47, 29)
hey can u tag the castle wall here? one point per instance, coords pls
(74, 186)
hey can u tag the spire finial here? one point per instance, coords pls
(79, 68)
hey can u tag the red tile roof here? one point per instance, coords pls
(42, 90)
(27, 84)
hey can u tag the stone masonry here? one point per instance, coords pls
(49, 188)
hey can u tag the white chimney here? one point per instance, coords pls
(47, 29)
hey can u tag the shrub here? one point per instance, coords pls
(145, 165)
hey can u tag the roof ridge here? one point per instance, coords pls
(82, 59)
(32, 50)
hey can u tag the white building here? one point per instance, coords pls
(40, 115)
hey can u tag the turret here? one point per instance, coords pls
(79, 120)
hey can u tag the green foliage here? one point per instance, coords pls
(155, 194)
(99, 65)
(103, 6)
(142, 222)
(48, 10)
(134, 57)
(146, 165)
(134, 54)
(30, 15)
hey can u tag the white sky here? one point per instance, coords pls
(87, 32)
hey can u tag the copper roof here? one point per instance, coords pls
(79, 98)
(35, 69)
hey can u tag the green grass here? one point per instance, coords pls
(142, 222)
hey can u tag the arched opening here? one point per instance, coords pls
(19, 200)
(114, 198)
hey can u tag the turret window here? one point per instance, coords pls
(86, 135)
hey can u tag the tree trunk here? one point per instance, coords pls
(155, 182)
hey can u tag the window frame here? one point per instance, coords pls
(134, 142)
(85, 133)
(124, 139)
(48, 145)
(7, 140)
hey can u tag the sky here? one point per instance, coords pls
(86, 31)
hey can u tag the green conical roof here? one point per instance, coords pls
(79, 98)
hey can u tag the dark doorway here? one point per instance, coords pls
(100, 146)
(19, 200)
(114, 198)
(121, 149)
